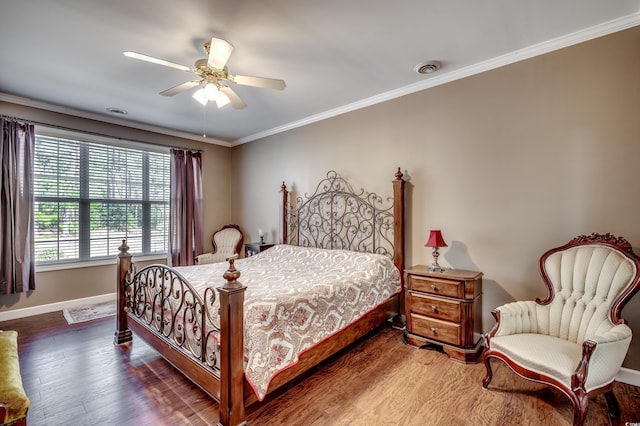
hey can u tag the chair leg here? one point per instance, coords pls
(580, 408)
(579, 415)
(489, 376)
(612, 404)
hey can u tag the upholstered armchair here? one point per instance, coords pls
(574, 340)
(226, 242)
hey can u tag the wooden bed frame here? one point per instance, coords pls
(346, 219)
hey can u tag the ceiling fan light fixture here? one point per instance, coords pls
(211, 91)
(222, 100)
(199, 96)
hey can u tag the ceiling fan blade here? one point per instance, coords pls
(235, 100)
(181, 88)
(219, 52)
(270, 83)
(158, 61)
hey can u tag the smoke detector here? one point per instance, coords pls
(428, 67)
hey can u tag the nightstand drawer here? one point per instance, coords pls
(434, 307)
(436, 329)
(435, 286)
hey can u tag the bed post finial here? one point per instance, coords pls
(231, 275)
(124, 249)
(399, 174)
(123, 333)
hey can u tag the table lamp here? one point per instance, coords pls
(436, 241)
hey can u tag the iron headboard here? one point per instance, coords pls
(336, 216)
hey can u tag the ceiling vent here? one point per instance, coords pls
(428, 67)
(117, 111)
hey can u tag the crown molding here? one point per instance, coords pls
(32, 103)
(497, 62)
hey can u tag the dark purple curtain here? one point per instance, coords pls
(17, 269)
(185, 207)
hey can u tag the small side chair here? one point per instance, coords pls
(575, 339)
(227, 242)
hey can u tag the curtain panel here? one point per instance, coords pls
(185, 207)
(17, 267)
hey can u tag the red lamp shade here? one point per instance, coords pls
(435, 239)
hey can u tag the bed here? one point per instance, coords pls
(240, 330)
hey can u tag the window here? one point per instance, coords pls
(89, 196)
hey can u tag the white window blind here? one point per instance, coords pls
(90, 196)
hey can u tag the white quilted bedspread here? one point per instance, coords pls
(298, 296)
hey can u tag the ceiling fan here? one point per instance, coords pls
(213, 76)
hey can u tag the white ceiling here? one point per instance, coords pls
(335, 55)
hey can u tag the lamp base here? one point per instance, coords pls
(436, 268)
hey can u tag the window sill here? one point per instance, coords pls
(92, 263)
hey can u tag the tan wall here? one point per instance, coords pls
(508, 163)
(69, 284)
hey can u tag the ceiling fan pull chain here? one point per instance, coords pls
(204, 120)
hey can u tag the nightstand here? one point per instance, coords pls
(254, 248)
(445, 309)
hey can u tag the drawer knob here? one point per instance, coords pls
(434, 308)
(433, 287)
(433, 330)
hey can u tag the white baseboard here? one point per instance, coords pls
(628, 376)
(52, 307)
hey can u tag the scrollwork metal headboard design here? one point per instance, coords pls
(337, 217)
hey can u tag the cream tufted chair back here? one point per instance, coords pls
(586, 281)
(575, 339)
(226, 243)
(226, 240)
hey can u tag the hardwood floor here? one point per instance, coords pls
(74, 375)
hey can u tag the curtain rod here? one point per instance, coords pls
(86, 132)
